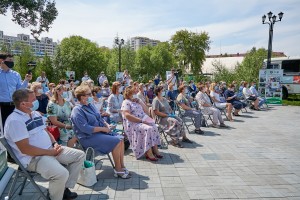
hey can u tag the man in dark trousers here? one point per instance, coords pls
(10, 81)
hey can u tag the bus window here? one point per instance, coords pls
(291, 66)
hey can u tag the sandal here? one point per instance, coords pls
(186, 140)
(122, 175)
(176, 144)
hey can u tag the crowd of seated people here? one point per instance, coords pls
(86, 113)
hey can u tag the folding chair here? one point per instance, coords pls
(205, 117)
(21, 171)
(222, 110)
(181, 115)
(79, 146)
(163, 134)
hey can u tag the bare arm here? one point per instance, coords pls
(131, 118)
(160, 114)
(30, 150)
(57, 123)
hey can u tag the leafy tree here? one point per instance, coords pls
(21, 60)
(78, 54)
(248, 70)
(38, 14)
(162, 59)
(189, 49)
(46, 64)
(144, 69)
(221, 73)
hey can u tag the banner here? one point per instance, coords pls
(270, 85)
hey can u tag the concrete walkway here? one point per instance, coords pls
(257, 158)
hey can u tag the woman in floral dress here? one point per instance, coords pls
(142, 134)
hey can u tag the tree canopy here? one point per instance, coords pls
(189, 49)
(36, 14)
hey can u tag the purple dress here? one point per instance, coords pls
(141, 136)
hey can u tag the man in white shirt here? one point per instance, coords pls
(102, 78)
(172, 79)
(85, 77)
(43, 79)
(248, 95)
(38, 151)
(254, 92)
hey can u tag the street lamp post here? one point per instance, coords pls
(271, 22)
(119, 42)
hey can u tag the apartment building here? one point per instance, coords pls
(40, 48)
(138, 42)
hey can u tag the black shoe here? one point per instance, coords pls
(69, 195)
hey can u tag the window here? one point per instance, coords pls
(291, 66)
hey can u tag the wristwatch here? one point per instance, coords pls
(54, 143)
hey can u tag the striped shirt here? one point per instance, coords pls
(20, 126)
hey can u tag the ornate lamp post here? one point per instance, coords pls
(119, 42)
(271, 22)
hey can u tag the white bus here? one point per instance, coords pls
(291, 73)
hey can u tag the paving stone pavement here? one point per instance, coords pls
(258, 157)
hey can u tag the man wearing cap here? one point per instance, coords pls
(10, 81)
(172, 79)
(102, 78)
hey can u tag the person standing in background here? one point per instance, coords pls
(173, 79)
(85, 77)
(101, 78)
(10, 81)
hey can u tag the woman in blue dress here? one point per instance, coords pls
(93, 131)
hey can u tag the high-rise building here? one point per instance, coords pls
(39, 48)
(138, 42)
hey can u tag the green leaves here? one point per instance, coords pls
(189, 49)
(37, 14)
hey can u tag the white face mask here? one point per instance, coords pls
(40, 91)
(163, 93)
(120, 89)
(134, 96)
(186, 91)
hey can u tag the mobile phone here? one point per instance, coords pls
(29, 71)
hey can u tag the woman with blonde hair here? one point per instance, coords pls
(215, 96)
(140, 129)
(59, 111)
(93, 131)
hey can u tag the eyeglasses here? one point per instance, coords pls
(88, 94)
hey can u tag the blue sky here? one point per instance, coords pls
(234, 26)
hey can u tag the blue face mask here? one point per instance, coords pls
(98, 95)
(90, 100)
(64, 95)
(35, 106)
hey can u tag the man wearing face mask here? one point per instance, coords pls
(38, 151)
(10, 81)
(102, 78)
(85, 77)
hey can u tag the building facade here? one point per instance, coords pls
(138, 42)
(39, 48)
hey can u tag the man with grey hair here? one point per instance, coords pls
(37, 149)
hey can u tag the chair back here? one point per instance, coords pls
(12, 154)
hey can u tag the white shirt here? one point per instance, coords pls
(40, 79)
(247, 93)
(19, 126)
(102, 79)
(173, 81)
(85, 78)
(254, 91)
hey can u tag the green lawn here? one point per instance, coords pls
(293, 100)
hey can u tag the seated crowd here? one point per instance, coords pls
(86, 114)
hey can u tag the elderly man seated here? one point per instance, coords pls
(37, 150)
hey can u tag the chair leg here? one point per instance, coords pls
(23, 185)
(37, 187)
(11, 189)
(111, 162)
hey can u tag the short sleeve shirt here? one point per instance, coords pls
(229, 93)
(161, 105)
(19, 126)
